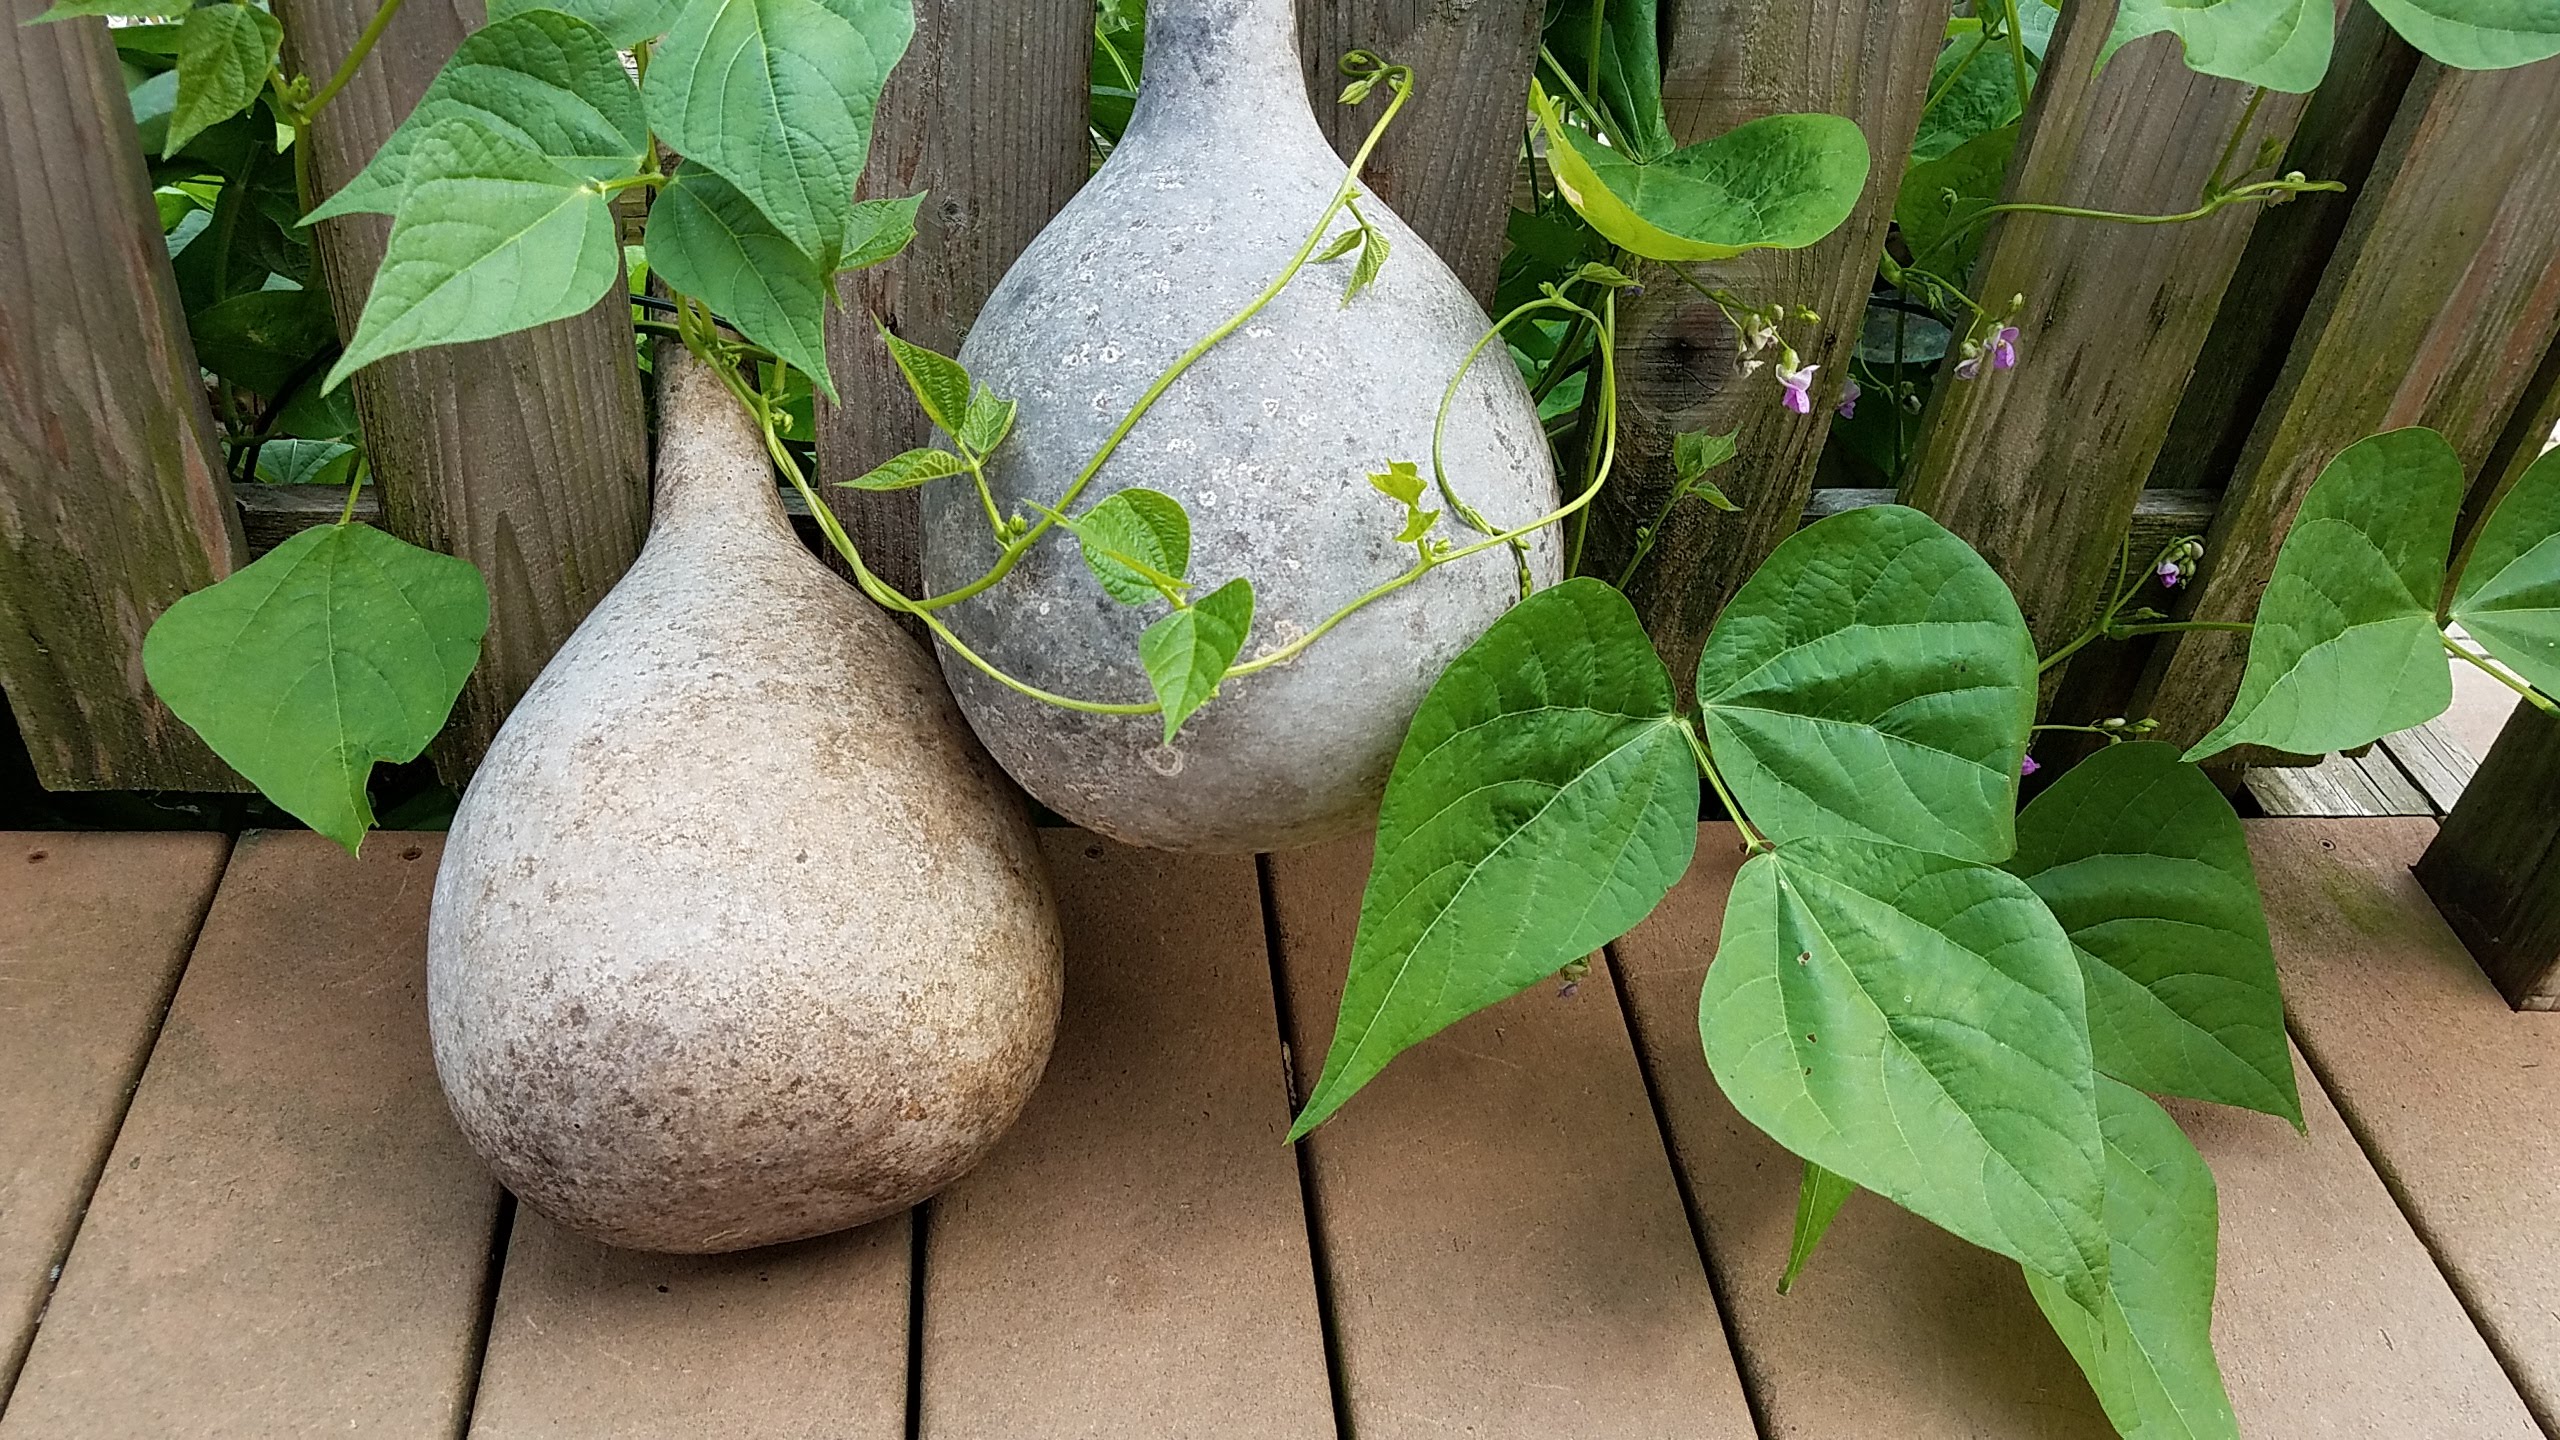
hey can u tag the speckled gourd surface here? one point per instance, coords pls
(739, 937)
(1268, 442)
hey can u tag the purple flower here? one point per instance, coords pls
(1969, 368)
(1849, 399)
(2004, 348)
(1799, 386)
(2170, 575)
(2028, 766)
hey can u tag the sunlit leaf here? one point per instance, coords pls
(710, 242)
(2477, 34)
(1187, 652)
(1136, 527)
(624, 22)
(2144, 863)
(1913, 1023)
(2280, 44)
(908, 470)
(492, 238)
(1781, 182)
(2346, 648)
(1544, 801)
(1873, 679)
(988, 422)
(878, 230)
(224, 56)
(940, 383)
(340, 647)
(2509, 596)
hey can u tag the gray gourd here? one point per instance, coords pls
(739, 937)
(1268, 443)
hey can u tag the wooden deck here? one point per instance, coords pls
(231, 1203)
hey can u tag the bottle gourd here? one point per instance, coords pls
(1268, 442)
(738, 936)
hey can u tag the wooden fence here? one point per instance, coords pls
(2175, 378)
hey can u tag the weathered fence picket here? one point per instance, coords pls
(2442, 296)
(2114, 315)
(1728, 63)
(527, 455)
(987, 116)
(113, 499)
(2494, 868)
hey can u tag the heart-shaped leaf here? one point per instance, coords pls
(2346, 648)
(2280, 44)
(712, 243)
(2476, 34)
(1187, 652)
(224, 55)
(2145, 865)
(340, 647)
(2147, 1348)
(305, 462)
(879, 230)
(1544, 801)
(1913, 1024)
(263, 339)
(777, 96)
(2509, 596)
(1780, 182)
(1873, 679)
(623, 22)
(491, 238)
(545, 81)
(1132, 533)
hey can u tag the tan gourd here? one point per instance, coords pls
(739, 937)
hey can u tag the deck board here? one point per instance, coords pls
(792, 1342)
(1501, 1227)
(2457, 1096)
(93, 930)
(2331, 1319)
(1133, 1258)
(290, 1238)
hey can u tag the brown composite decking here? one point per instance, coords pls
(231, 1195)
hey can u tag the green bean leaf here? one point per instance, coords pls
(2509, 596)
(1913, 1023)
(2144, 863)
(1819, 1196)
(492, 238)
(1187, 652)
(623, 22)
(2280, 44)
(2476, 34)
(545, 81)
(1873, 679)
(908, 470)
(1132, 533)
(712, 243)
(1544, 801)
(2147, 1347)
(1780, 182)
(224, 55)
(340, 647)
(2346, 649)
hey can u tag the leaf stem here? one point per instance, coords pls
(2498, 672)
(1732, 807)
(2175, 627)
(2018, 53)
(2231, 147)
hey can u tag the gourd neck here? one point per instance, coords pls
(1225, 63)
(712, 466)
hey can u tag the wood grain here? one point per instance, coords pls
(2330, 1319)
(1133, 1259)
(1503, 1233)
(1447, 165)
(2451, 1091)
(986, 114)
(607, 1344)
(527, 455)
(290, 1238)
(93, 932)
(2495, 869)
(1729, 62)
(113, 501)
(2441, 298)
(2039, 467)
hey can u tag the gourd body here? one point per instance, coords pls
(1268, 442)
(738, 937)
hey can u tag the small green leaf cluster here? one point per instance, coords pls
(1920, 990)
(500, 182)
(2286, 44)
(2351, 641)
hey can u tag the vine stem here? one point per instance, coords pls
(365, 41)
(2496, 672)
(1401, 85)
(2174, 627)
(2231, 147)
(2018, 52)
